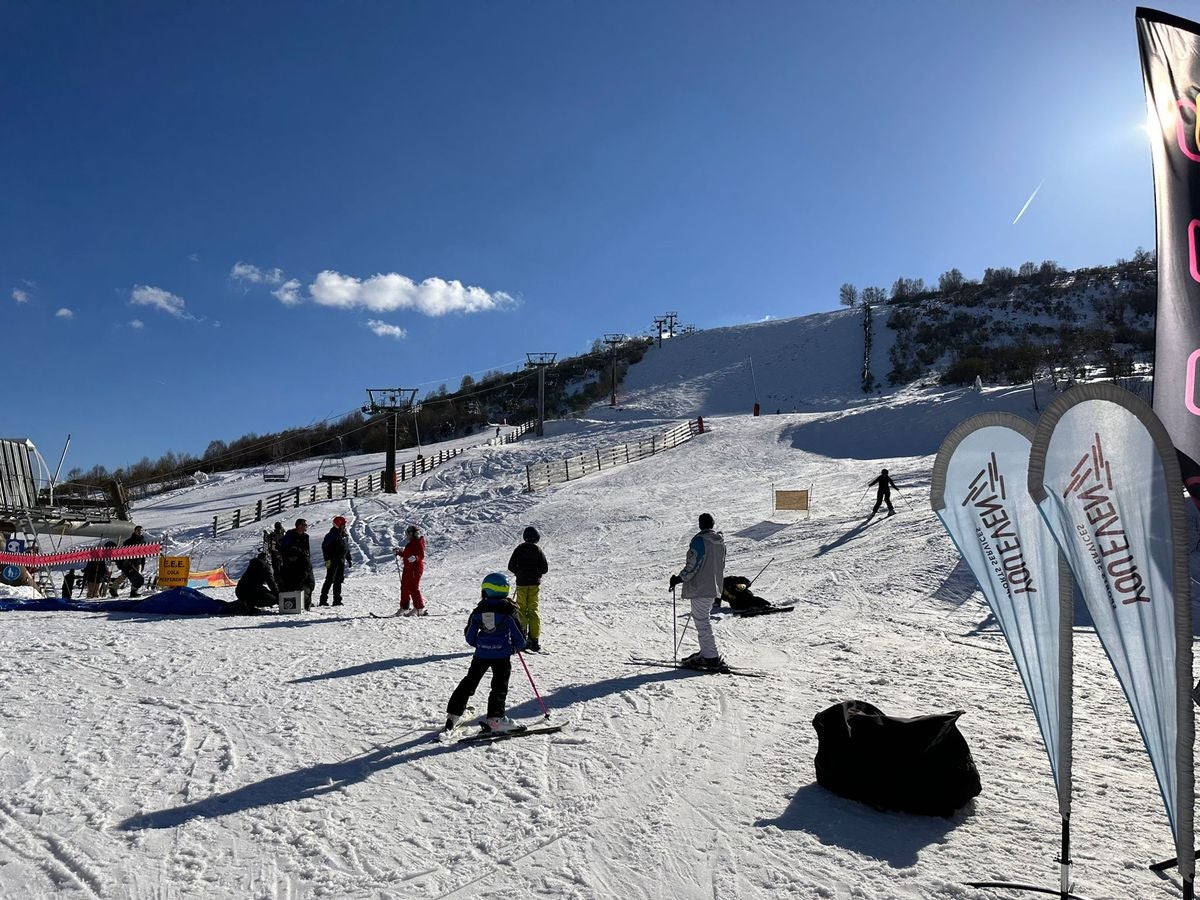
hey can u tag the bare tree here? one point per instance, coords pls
(848, 295)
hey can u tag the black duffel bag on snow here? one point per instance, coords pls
(920, 765)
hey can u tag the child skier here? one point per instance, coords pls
(529, 564)
(495, 634)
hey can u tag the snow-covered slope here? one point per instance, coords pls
(292, 756)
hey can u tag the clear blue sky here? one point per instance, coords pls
(198, 197)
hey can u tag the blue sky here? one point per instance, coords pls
(223, 218)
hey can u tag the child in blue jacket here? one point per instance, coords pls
(495, 633)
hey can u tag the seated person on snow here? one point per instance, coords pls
(735, 590)
(256, 588)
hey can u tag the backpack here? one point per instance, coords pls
(920, 765)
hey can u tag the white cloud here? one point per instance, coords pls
(383, 329)
(145, 295)
(245, 272)
(137, 324)
(194, 257)
(392, 292)
(288, 293)
(20, 296)
(64, 313)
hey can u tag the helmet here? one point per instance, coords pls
(110, 543)
(339, 521)
(495, 585)
(412, 530)
(531, 535)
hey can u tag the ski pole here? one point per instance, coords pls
(864, 493)
(399, 572)
(760, 571)
(541, 703)
(905, 499)
(674, 628)
(682, 635)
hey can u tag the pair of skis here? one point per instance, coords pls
(672, 664)
(459, 734)
(751, 611)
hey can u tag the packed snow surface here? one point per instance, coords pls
(294, 756)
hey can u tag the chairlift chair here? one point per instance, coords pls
(333, 471)
(277, 472)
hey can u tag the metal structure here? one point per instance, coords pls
(540, 361)
(613, 341)
(659, 322)
(333, 471)
(391, 402)
(278, 471)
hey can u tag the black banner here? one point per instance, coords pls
(1170, 53)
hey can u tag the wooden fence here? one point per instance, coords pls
(293, 498)
(545, 474)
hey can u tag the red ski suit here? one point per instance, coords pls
(410, 577)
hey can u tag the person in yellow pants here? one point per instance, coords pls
(528, 564)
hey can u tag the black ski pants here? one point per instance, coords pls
(882, 498)
(497, 698)
(334, 573)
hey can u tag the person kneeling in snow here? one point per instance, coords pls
(701, 578)
(256, 588)
(495, 633)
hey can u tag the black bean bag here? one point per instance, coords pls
(920, 765)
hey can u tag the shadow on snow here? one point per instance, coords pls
(892, 837)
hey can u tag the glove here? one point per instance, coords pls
(412, 559)
(397, 551)
(328, 563)
(675, 579)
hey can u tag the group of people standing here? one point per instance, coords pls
(97, 577)
(285, 565)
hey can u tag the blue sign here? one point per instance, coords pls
(11, 574)
(14, 545)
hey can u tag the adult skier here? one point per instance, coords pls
(413, 554)
(883, 493)
(494, 632)
(702, 577)
(528, 564)
(336, 551)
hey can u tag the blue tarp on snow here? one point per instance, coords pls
(181, 601)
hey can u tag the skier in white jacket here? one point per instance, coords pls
(702, 577)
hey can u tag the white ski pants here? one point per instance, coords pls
(701, 607)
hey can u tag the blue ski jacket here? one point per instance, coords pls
(493, 630)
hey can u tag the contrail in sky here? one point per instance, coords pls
(1027, 202)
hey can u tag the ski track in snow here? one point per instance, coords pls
(293, 756)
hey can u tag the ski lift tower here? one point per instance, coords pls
(659, 322)
(671, 318)
(382, 401)
(540, 361)
(614, 341)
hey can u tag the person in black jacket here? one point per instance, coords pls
(296, 572)
(96, 572)
(130, 568)
(529, 564)
(883, 494)
(256, 588)
(336, 551)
